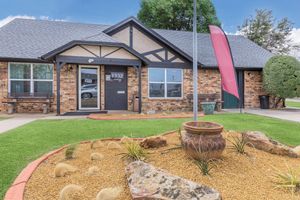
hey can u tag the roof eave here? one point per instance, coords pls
(50, 55)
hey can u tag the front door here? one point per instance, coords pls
(115, 88)
(88, 87)
(231, 101)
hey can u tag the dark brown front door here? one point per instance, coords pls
(115, 88)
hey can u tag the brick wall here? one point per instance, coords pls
(3, 84)
(209, 82)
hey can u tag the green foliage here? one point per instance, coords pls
(266, 32)
(282, 77)
(177, 14)
(286, 180)
(134, 151)
(205, 165)
(238, 144)
(70, 150)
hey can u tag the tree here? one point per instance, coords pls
(265, 31)
(177, 14)
(281, 78)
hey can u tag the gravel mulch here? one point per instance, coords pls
(236, 176)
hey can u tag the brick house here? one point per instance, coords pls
(94, 67)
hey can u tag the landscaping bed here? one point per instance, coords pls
(235, 176)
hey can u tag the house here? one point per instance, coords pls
(95, 67)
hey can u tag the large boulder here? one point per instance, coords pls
(149, 183)
(154, 142)
(260, 141)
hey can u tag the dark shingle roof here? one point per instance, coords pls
(246, 54)
(26, 38)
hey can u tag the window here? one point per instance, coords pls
(165, 83)
(27, 79)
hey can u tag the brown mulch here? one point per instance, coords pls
(236, 176)
(133, 116)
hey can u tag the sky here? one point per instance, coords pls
(230, 12)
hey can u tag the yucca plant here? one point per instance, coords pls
(69, 154)
(286, 179)
(205, 165)
(134, 151)
(238, 144)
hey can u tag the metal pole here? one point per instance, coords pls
(195, 64)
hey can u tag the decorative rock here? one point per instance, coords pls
(109, 193)
(260, 141)
(147, 182)
(97, 144)
(113, 145)
(69, 191)
(154, 142)
(97, 156)
(297, 150)
(92, 171)
(61, 169)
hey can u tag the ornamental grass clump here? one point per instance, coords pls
(238, 144)
(205, 165)
(70, 192)
(70, 151)
(134, 151)
(286, 179)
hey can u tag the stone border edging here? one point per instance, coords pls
(108, 118)
(17, 189)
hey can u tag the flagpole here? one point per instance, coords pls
(195, 64)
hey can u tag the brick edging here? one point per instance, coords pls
(17, 189)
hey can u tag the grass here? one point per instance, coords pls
(292, 104)
(21, 145)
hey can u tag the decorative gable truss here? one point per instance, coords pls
(148, 43)
(99, 52)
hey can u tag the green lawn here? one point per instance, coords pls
(20, 146)
(292, 104)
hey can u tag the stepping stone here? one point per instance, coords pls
(147, 182)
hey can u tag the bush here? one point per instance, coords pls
(281, 78)
(134, 151)
(70, 151)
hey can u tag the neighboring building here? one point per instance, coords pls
(99, 67)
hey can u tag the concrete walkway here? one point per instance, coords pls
(17, 120)
(286, 114)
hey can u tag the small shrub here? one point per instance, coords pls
(286, 180)
(109, 193)
(205, 165)
(134, 151)
(238, 144)
(113, 145)
(96, 156)
(93, 171)
(69, 192)
(69, 154)
(61, 169)
(96, 144)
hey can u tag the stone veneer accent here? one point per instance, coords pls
(253, 87)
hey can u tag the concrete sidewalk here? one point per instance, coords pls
(286, 114)
(14, 122)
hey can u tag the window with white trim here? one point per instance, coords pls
(165, 83)
(30, 79)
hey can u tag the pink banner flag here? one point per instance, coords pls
(224, 59)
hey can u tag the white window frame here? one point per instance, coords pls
(165, 82)
(32, 80)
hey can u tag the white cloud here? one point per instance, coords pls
(10, 18)
(295, 36)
